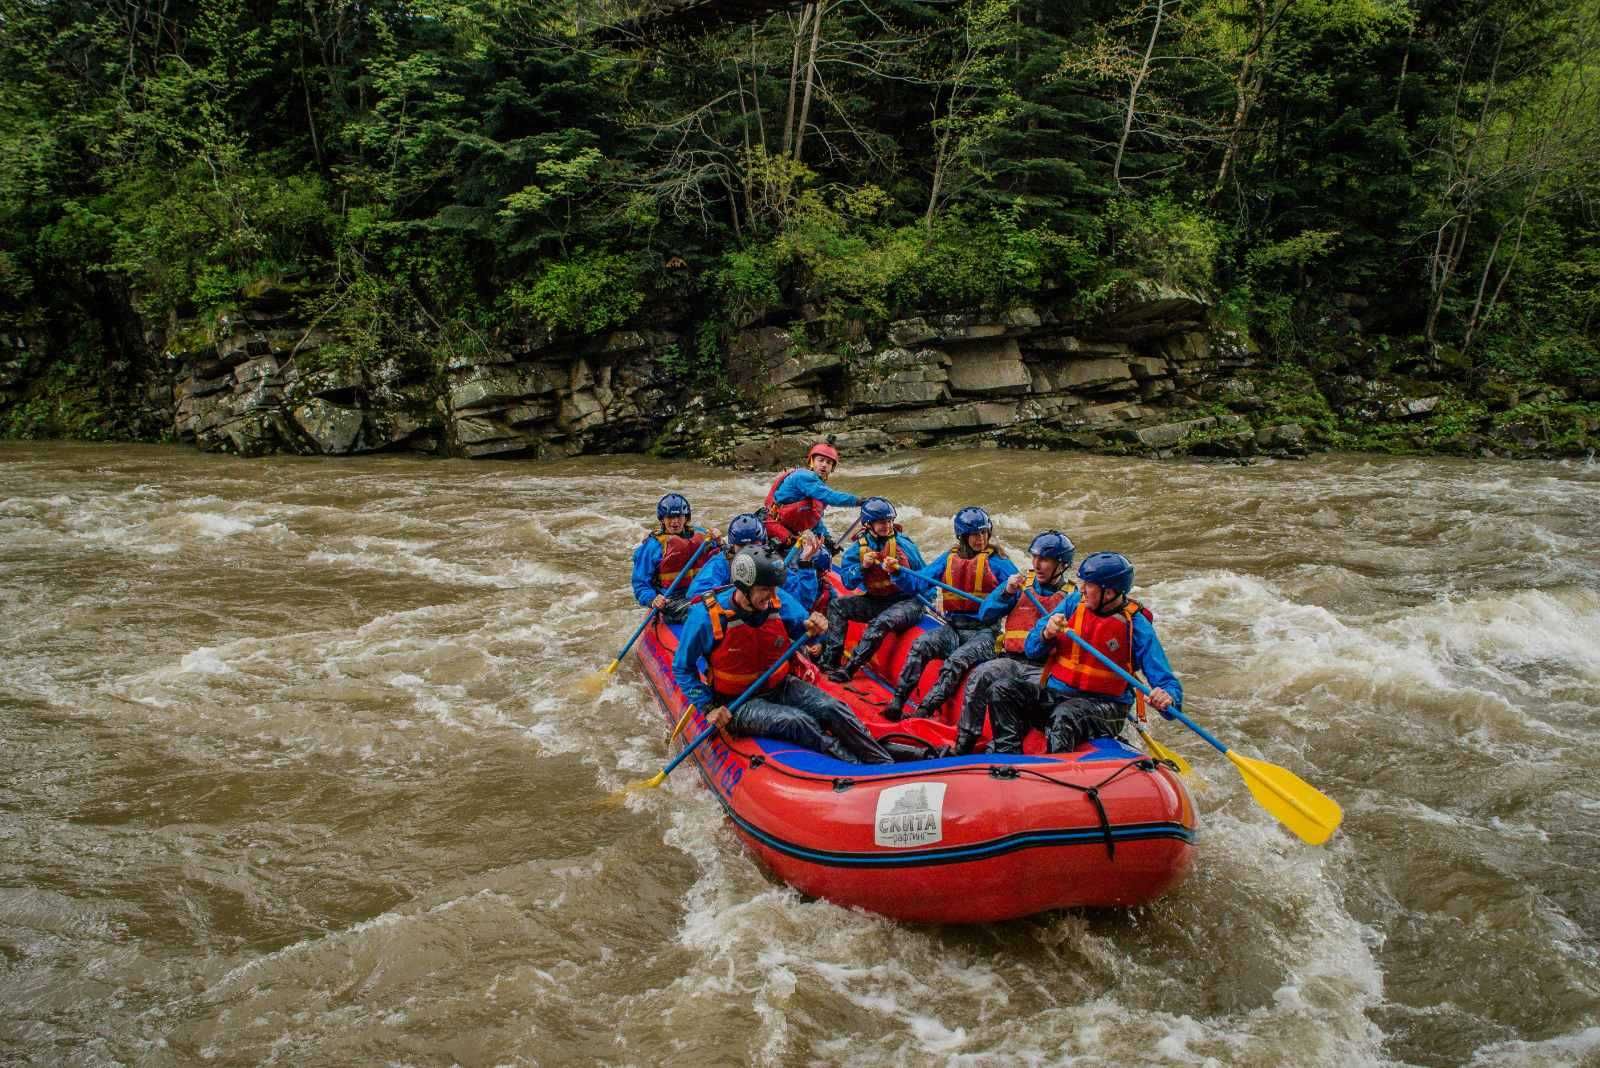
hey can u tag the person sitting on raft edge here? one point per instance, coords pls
(872, 564)
(1076, 697)
(974, 565)
(1050, 583)
(740, 633)
(664, 553)
(747, 530)
(798, 497)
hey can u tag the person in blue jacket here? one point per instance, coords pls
(671, 550)
(1076, 697)
(976, 565)
(872, 563)
(740, 633)
(1014, 613)
(746, 530)
(798, 497)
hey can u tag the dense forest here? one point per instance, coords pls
(1402, 187)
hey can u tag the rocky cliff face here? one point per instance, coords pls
(262, 379)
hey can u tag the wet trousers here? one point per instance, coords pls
(798, 712)
(979, 695)
(882, 615)
(1067, 720)
(962, 645)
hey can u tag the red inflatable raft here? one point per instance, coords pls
(943, 840)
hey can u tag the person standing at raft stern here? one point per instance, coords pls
(664, 553)
(1076, 697)
(974, 564)
(872, 563)
(740, 633)
(798, 497)
(1052, 560)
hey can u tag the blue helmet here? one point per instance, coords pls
(1053, 545)
(876, 508)
(1111, 570)
(672, 504)
(746, 530)
(971, 520)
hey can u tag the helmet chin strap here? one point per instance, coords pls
(1115, 606)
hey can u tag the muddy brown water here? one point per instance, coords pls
(296, 767)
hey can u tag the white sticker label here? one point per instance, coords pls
(910, 815)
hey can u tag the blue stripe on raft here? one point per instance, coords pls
(1092, 836)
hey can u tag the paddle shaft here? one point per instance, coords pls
(670, 591)
(741, 699)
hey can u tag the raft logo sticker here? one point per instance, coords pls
(910, 815)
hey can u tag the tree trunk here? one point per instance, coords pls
(1133, 94)
(811, 74)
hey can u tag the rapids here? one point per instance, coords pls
(298, 765)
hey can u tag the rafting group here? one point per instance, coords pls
(1019, 648)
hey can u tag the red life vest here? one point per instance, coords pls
(794, 518)
(966, 573)
(676, 552)
(1014, 636)
(1112, 635)
(744, 649)
(877, 578)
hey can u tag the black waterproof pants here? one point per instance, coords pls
(979, 695)
(1068, 722)
(798, 712)
(962, 645)
(882, 615)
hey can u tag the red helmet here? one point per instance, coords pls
(822, 448)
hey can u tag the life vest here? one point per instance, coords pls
(1020, 620)
(877, 578)
(1112, 635)
(676, 552)
(794, 518)
(744, 648)
(966, 573)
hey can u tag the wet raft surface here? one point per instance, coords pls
(295, 765)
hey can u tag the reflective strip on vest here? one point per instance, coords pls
(876, 578)
(966, 573)
(676, 551)
(744, 650)
(1020, 620)
(1112, 635)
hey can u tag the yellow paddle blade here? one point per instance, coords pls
(591, 685)
(617, 797)
(611, 668)
(1161, 752)
(679, 728)
(1295, 803)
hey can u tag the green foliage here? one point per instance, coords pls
(588, 292)
(1165, 240)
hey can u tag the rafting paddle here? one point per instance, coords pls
(661, 776)
(1157, 750)
(1295, 803)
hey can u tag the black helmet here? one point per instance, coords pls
(757, 567)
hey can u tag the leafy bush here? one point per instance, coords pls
(586, 292)
(1163, 240)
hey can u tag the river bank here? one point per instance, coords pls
(1153, 371)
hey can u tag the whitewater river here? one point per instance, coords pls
(297, 766)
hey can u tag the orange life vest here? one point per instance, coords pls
(743, 649)
(794, 518)
(966, 573)
(877, 578)
(1112, 635)
(1020, 620)
(676, 552)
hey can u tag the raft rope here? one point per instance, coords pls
(997, 771)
